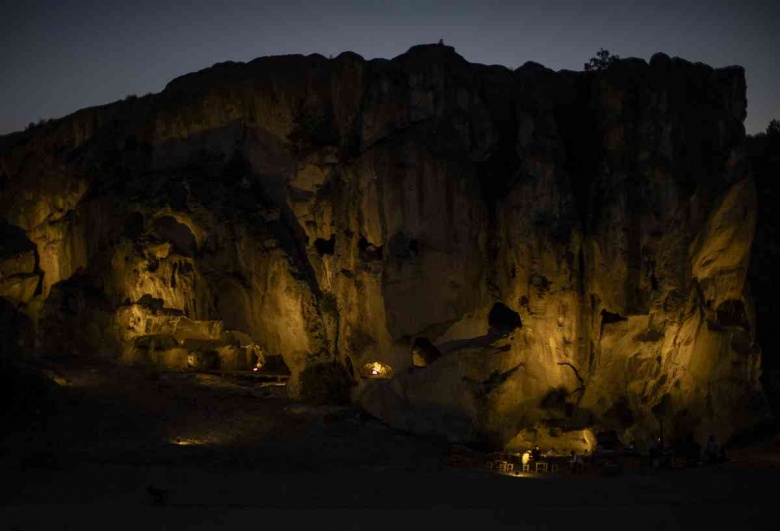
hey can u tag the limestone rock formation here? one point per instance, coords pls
(569, 248)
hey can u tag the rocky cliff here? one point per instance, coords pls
(561, 250)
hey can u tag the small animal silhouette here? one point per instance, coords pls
(157, 496)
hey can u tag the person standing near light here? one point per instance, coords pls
(536, 454)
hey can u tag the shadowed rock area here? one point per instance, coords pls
(563, 251)
(193, 451)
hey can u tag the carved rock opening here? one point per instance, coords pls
(424, 352)
(610, 318)
(368, 251)
(732, 313)
(325, 247)
(179, 234)
(402, 247)
(204, 360)
(503, 320)
(13, 240)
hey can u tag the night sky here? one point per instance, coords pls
(58, 56)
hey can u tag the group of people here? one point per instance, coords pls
(713, 452)
(531, 455)
(576, 462)
(659, 456)
(688, 449)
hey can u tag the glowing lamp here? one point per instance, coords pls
(376, 370)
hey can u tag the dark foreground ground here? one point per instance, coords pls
(222, 454)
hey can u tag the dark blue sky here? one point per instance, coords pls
(59, 56)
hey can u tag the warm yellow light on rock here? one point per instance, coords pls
(376, 370)
(185, 441)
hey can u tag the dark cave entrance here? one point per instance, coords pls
(503, 320)
(424, 352)
(179, 234)
(731, 313)
(609, 317)
(325, 247)
(369, 252)
(402, 247)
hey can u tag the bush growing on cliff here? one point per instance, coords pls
(601, 62)
(40, 123)
(773, 129)
(312, 131)
(325, 383)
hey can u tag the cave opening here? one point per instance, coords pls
(424, 352)
(609, 317)
(156, 342)
(273, 366)
(14, 240)
(179, 234)
(152, 303)
(203, 360)
(732, 313)
(403, 247)
(503, 320)
(368, 251)
(325, 247)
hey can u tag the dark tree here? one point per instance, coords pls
(601, 62)
(764, 152)
(773, 128)
(312, 131)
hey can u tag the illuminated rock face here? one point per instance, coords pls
(570, 248)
